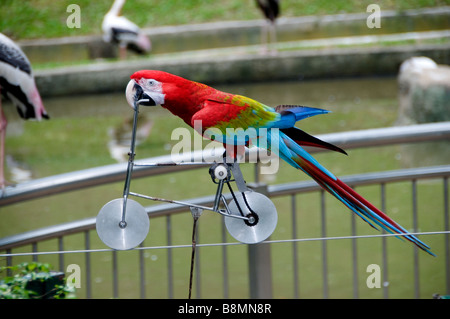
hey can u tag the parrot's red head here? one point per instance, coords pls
(154, 87)
(147, 88)
(181, 96)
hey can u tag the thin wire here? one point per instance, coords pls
(222, 244)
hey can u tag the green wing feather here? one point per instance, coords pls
(235, 111)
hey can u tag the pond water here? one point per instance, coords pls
(328, 92)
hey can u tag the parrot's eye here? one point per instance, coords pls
(151, 82)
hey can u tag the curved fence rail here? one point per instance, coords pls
(259, 259)
(271, 191)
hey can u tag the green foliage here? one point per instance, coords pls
(18, 285)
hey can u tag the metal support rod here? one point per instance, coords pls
(238, 177)
(172, 164)
(218, 195)
(220, 211)
(447, 236)
(196, 213)
(171, 201)
(191, 273)
(415, 252)
(384, 245)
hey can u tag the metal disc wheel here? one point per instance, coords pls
(262, 216)
(122, 236)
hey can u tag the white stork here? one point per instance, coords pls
(17, 84)
(118, 29)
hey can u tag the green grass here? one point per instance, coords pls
(47, 19)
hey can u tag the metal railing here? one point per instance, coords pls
(259, 257)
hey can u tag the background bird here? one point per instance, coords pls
(17, 83)
(271, 11)
(225, 114)
(120, 30)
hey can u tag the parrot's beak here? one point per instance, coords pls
(136, 95)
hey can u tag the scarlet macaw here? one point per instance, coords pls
(193, 101)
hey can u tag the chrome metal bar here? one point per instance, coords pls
(173, 164)
(116, 172)
(279, 241)
(225, 213)
(88, 281)
(169, 257)
(218, 195)
(277, 190)
(46, 233)
(188, 204)
(390, 135)
(365, 179)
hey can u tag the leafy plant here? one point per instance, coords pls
(34, 281)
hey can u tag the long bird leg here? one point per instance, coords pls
(269, 38)
(265, 37)
(273, 37)
(122, 51)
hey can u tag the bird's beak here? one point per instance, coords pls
(136, 95)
